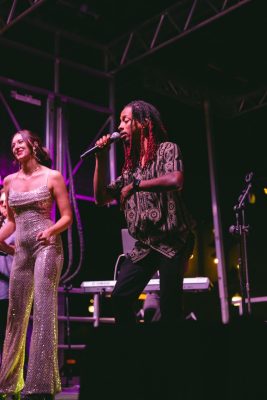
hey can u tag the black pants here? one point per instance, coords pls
(133, 277)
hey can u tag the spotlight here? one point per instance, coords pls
(236, 299)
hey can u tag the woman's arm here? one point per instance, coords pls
(59, 191)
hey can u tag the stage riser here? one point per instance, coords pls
(187, 362)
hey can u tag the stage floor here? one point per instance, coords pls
(69, 393)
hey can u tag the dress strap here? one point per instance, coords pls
(47, 178)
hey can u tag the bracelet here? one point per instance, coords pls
(136, 183)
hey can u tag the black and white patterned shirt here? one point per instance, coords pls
(158, 221)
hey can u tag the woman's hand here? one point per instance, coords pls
(44, 236)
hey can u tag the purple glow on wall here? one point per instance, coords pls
(6, 167)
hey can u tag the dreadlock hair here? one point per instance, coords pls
(39, 152)
(152, 129)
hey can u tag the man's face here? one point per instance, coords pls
(127, 126)
(3, 210)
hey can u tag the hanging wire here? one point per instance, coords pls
(67, 277)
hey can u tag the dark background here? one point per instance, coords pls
(223, 61)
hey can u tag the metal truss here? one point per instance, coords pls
(15, 10)
(186, 93)
(175, 88)
(52, 94)
(171, 25)
(249, 102)
(9, 111)
(9, 17)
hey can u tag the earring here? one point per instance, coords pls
(35, 154)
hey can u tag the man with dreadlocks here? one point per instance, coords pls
(149, 191)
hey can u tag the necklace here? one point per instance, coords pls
(25, 177)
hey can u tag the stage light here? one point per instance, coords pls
(25, 98)
(71, 361)
(142, 296)
(252, 198)
(236, 300)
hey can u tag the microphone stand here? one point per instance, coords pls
(241, 229)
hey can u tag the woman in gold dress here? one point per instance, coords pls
(36, 269)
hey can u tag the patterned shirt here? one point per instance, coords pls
(158, 221)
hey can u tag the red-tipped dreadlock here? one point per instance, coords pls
(153, 129)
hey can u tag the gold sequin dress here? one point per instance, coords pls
(34, 280)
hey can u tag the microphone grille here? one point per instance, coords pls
(115, 135)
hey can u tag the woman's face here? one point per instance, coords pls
(20, 148)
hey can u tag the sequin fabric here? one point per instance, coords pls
(34, 281)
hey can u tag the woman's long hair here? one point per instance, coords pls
(152, 129)
(39, 152)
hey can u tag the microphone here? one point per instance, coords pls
(113, 138)
(233, 229)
